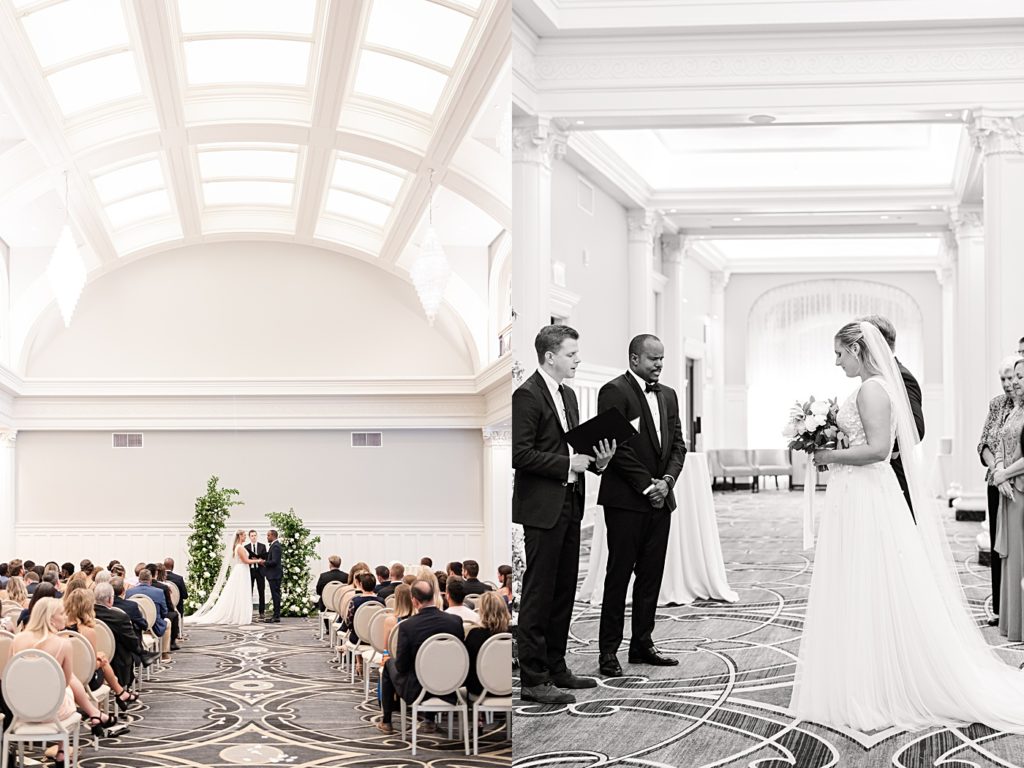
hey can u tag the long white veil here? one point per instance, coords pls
(218, 585)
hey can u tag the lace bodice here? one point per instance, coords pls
(849, 417)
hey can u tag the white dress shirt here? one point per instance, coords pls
(464, 613)
(562, 415)
(652, 403)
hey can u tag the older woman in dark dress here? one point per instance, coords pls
(998, 409)
(1008, 477)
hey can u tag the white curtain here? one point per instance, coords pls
(789, 346)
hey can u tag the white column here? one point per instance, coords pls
(973, 383)
(946, 274)
(674, 335)
(1001, 139)
(497, 501)
(535, 143)
(715, 435)
(8, 477)
(644, 228)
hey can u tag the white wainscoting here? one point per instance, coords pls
(374, 543)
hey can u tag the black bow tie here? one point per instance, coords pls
(652, 388)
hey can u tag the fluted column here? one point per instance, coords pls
(535, 145)
(497, 548)
(715, 437)
(1001, 140)
(674, 334)
(644, 229)
(8, 495)
(972, 382)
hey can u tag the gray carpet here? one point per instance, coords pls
(725, 704)
(269, 695)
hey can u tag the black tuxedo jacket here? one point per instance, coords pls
(272, 568)
(257, 552)
(540, 453)
(414, 632)
(179, 582)
(132, 610)
(642, 459)
(326, 578)
(914, 395)
(127, 646)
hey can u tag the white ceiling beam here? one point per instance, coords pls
(469, 92)
(26, 92)
(342, 32)
(158, 41)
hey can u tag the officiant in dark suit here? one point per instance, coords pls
(547, 500)
(888, 331)
(638, 500)
(274, 573)
(257, 572)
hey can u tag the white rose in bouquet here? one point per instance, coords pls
(812, 422)
(820, 408)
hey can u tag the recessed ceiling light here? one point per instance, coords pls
(762, 119)
(934, 207)
(672, 210)
(949, 114)
(579, 122)
(737, 218)
(883, 217)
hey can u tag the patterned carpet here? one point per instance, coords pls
(725, 704)
(262, 696)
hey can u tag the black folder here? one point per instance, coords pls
(608, 425)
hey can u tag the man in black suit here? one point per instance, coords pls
(130, 607)
(179, 582)
(547, 501)
(888, 331)
(173, 616)
(473, 585)
(638, 500)
(333, 574)
(127, 646)
(426, 622)
(397, 576)
(383, 578)
(274, 573)
(257, 573)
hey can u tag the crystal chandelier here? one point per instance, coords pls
(431, 271)
(66, 270)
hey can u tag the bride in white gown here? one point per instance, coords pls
(230, 600)
(888, 638)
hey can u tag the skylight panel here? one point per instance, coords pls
(419, 27)
(252, 163)
(95, 82)
(204, 16)
(357, 207)
(139, 208)
(74, 28)
(129, 181)
(398, 80)
(367, 179)
(248, 193)
(247, 60)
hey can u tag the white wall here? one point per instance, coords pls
(602, 315)
(246, 309)
(697, 291)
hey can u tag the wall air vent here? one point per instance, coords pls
(367, 440)
(127, 439)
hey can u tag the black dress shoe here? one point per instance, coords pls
(609, 665)
(545, 693)
(993, 622)
(274, 620)
(175, 647)
(651, 656)
(569, 680)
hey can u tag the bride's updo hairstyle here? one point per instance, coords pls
(239, 537)
(851, 334)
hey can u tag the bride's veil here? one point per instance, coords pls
(218, 585)
(929, 521)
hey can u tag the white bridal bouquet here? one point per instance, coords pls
(812, 426)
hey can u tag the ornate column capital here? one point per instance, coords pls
(966, 221)
(537, 140)
(8, 437)
(673, 247)
(719, 280)
(644, 226)
(497, 436)
(997, 134)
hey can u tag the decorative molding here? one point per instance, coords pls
(537, 140)
(562, 301)
(719, 280)
(497, 437)
(673, 247)
(644, 226)
(8, 437)
(997, 134)
(967, 221)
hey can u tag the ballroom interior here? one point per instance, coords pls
(268, 242)
(741, 179)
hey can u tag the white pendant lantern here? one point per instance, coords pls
(66, 273)
(431, 271)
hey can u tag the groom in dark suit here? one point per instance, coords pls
(638, 500)
(888, 331)
(274, 572)
(548, 500)
(257, 571)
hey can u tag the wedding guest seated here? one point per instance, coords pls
(67, 570)
(493, 620)
(454, 569)
(16, 591)
(442, 588)
(505, 583)
(43, 590)
(86, 567)
(80, 612)
(179, 581)
(173, 617)
(456, 593)
(3, 575)
(101, 576)
(427, 562)
(427, 622)
(355, 570)
(473, 584)
(16, 568)
(397, 575)
(333, 573)
(366, 582)
(145, 587)
(127, 647)
(29, 565)
(31, 581)
(41, 634)
(388, 698)
(130, 608)
(383, 578)
(425, 574)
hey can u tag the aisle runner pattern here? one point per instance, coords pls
(262, 696)
(725, 704)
